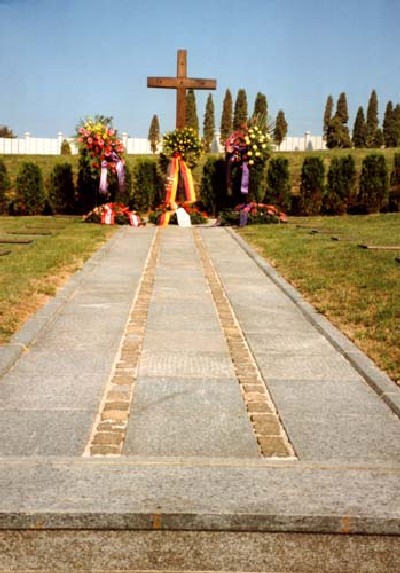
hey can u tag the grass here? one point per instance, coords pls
(356, 289)
(33, 272)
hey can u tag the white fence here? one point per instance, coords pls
(52, 146)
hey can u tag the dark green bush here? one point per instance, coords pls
(147, 185)
(87, 187)
(278, 186)
(213, 185)
(30, 189)
(62, 189)
(341, 191)
(374, 184)
(394, 191)
(312, 186)
(5, 185)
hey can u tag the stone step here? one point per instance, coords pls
(198, 514)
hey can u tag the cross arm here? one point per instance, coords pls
(187, 83)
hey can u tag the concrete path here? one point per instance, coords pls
(177, 382)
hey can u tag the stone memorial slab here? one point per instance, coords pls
(195, 364)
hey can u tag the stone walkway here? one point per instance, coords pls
(178, 383)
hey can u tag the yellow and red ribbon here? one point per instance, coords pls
(175, 166)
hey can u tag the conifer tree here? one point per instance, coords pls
(209, 124)
(260, 112)
(360, 129)
(226, 119)
(154, 133)
(342, 109)
(280, 129)
(372, 119)
(328, 114)
(396, 124)
(337, 134)
(192, 119)
(390, 127)
(240, 110)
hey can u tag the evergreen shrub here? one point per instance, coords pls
(312, 186)
(30, 189)
(278, 186)
(147, 186)
(373, 191)
(341, 186)
(213, 185)
(62, 189)
(5, 185)
(394, 191)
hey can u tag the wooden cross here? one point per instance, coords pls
(181, 83)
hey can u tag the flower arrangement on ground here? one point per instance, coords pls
(113, 214)
(197, 215)
(252, 213)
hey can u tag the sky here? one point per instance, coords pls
(64, 60)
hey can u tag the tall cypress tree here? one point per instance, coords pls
(260, 112)
(226, 118)
(360, 130)
(328, 113)
(209, 124)
(342, 109)
(240, 110)
(280, 129)
(154, 133)
(372, 119)
(396, 124)
(389, 127)
(192, 119)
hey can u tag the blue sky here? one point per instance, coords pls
(63, 60)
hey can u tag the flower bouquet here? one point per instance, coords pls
(98, 140)
(184, 144)
(248, 148)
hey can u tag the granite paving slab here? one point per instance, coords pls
(44, 431)
(189, 417)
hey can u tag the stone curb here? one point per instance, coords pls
(378, 380)
(34, 326)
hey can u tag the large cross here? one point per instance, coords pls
(181, 83)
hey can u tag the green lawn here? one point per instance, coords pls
(32, 272)
(357, 289)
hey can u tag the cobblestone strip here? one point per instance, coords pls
(267, 427)
(110, 428)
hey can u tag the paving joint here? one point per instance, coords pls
(111, 424)
(267, 426)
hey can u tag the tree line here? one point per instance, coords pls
(234, 115)
(366, 131)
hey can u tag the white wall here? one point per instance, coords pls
(51, 146)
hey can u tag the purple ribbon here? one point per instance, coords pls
(244, 185)
(120, 173)
(103, 178)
